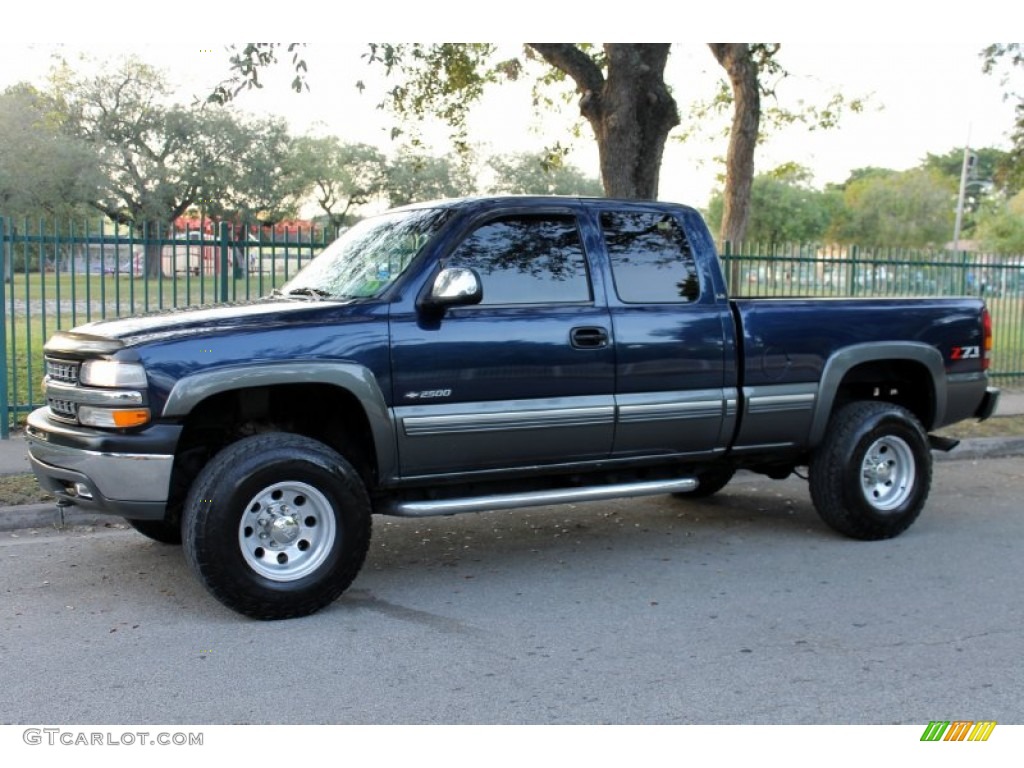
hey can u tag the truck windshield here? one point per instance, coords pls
(369, 257)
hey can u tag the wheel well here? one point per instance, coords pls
(903, 382)
(324, 412)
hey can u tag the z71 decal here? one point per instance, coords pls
(966, 353)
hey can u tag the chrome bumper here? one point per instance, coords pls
(133, 485)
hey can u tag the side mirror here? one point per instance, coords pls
(454, 287)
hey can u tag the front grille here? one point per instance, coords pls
(63, 371)
(64, 410)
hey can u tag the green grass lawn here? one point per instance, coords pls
(125, 295)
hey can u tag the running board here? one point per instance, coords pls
(433, 507)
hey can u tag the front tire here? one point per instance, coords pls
(164, 531)
(277, 525)
(871, 475)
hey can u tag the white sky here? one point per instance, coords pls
(925, 94)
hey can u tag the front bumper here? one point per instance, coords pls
(120, 474)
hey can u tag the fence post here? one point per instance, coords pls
(224, 274)
(852, 290)
(726, 263)
(5, 413)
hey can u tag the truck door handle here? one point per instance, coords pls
(589, 337)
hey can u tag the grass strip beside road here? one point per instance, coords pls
(16, 490)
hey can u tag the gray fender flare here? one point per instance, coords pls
(848, 358)
(356, 379)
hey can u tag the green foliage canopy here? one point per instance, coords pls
(908, 209)
(338, 175)
(534, 174)
(783, 208)
(43, 171)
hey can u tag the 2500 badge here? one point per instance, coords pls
(428, 394)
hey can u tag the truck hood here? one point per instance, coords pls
(182, 323)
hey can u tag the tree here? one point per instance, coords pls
(413, 178)
(987, 161)
(783, 208)
(754, 72)
(623, 96)
(245, 66)
(909, 209)
(157, 159)
(738, 60)
(42, 171)
(264, 184)
(1001, 225)
(1008, 59)
(339, 176)
(535, 174)
(983, 179)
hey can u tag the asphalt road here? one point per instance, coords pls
(741, 609)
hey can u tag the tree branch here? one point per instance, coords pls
(574, 62)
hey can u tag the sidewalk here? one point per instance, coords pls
(13, 461)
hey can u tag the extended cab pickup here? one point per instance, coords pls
(492, 353)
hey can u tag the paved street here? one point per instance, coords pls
(743, 609)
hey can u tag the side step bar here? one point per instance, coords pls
(433, 507)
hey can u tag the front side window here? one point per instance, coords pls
(650, 256)
(536, 259)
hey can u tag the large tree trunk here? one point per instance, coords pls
(152, 256)
(739, 63)
(630, 110)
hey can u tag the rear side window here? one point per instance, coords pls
(527, 260)
(651, 258)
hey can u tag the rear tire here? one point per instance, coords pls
(871, 475)
(277, 525)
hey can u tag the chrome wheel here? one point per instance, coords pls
(888, 473)
(287, 531)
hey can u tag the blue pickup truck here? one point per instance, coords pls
(493, 353)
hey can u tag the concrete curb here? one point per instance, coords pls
(983, 448)
(47, 515)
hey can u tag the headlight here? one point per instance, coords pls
(112, 373)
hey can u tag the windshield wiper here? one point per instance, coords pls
(317, 293)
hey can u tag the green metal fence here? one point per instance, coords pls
(59, 278)
(852, 271)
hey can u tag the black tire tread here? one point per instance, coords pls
(163, 531)
(237, 454)
(829, 471)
